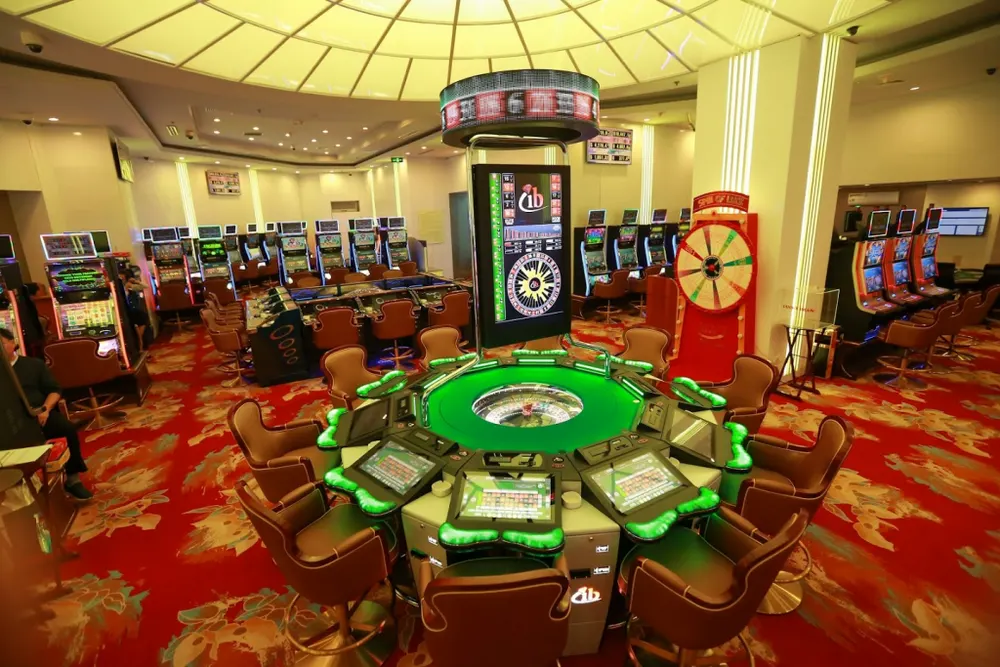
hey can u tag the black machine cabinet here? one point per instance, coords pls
(279, 353)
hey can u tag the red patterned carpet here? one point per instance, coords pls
(907, 548)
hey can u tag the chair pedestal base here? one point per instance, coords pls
(96, 410)
(369, 642)
(782, 599)
(651, 651)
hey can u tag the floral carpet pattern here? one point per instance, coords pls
(906, 549)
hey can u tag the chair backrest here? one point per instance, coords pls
(526, 605)
(754, 378)
(644, 342)
(258, 443)
(392, 273)
(346, 572)
(616, 288)
(397, 320)
(652, 270)
(355, 278)
(439, 342)
(455, 310)
(921, 336)
(308, 281)
(75, 363)
(297, 277)
(833, 442)
(408, 268)
(337, 275)
(345, 369)
(375, 271)
(173, 296)
(985, 305)
(335, 328)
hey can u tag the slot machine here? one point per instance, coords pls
(590, 264)
(190, 252)
(293, 249)
(623, 243)
(896, 260)
(85, 298)
(232, 241)
(329, 248)
(396, 243)
(213, 260)
(250, 245)
(147, 243)
(924, 263)
(653, 238)
(270, 242)
(856, 269)
(364, 250)
(171, 273)
(12, 315)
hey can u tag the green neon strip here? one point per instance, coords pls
(369, 504)
(655, 529)
(540, 353)
(366, 389)
(492, 363)
(496, 242)
(536, 362)
(549, 541)
(718, 402)
(707, 501)
(644, 366)
(741, 461)
(587, 368)
(456, 537)
(326, 439)
(632, 388)
(335, 480)
(745, 261)
(434, 363)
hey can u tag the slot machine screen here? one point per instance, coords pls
(364, 239)
(907, 220)
(6, 247)
(293, 243)
(507, 496)
(102, 242)
(364, 225)
(383, 223)
(634, 482)
(656, 235)
(327, 226)
(902, 250)
(626, 235)
(168, 251)
(270, 227)
(929, 266)
(396, 236)
(522, 215)
(659, 215)
(630, 216)
(329, 241)
(878, 224)
(594, 238)
(209, 232)
(251, 228)
(184, 232)
(86, 315)
(685, 214)
(290, 228)
(933, 219)
(930, 244)
(213, 250)
(397, 223)
(163, 234)
(76, 277)
(230, 230)
(873, 279)
(68, 246)
(147, 234)
(595, 217)
(396, 467)
(873, 254)
(901, 272)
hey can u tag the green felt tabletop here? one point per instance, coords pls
(607, 410)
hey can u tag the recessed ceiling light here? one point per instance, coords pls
(217, 120)
(281, 143)
(915, 88)
(296, 171)
(365, 129)
(274, 169)
(287, 134)
(423, 148)
(326, 131)
(250, 138)
(337, 145)
(645, 120)
(215, 131)
(348, 138)
(407, 152)
(256, 129)
(305, 149)
(247, 166)
(53, 120)
(313, 140)
(331, 171)
(216, 162)
(326, 152)
(181, 158)
(77, 134)
(454, 151)
(603, 116)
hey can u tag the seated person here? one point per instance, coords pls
(42, 391)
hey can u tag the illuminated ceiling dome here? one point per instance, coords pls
(411, 49)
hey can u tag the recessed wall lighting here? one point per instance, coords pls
(53, 120)
(281, 143)
(305, 149)
(256, 129)
(326, 131)
(348, 138)
(215, 131)
(423, 148)
(247, 166)
(287, 134)
(645, 120)
(603, 116)
(326, 152)
(180, 158)
(217, 120)
(313, 140)
(407, 152)
(274, 169)
(77, 134)
(337, 145)
(216, 162)
(296, 171)
(915, 88)
(365, 129)
(454, 151)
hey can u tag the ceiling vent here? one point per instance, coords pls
(173, 130)
(253, 134)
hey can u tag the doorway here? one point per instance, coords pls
(461, 242)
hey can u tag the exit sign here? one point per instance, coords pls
(397, 159)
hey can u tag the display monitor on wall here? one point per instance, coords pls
(251, 228)
(327, 226)
(208, 232)
(659, 215)
(6, 247)
(963, 221)
(878, 224)
(907, 220)
(596, 217)
(397, 223)
(523, 246)
(630, 216)
(102, 242)
(164, 235)
(230, 230)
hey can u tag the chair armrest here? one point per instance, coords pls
(425, 575)
(298, 494)
(296, 511)
(714, 385)
(287, 461)
(298, 434)
(300, 423)
(731, 534)
(563, 567)
(746, 412)
(780, 457)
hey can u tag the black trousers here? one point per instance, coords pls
(59, 426)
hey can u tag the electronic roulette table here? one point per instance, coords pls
(538, 454)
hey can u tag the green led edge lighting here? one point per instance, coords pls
(366, 389)
(706, 501)
(541, 353)
(496, 242)
(535, 361)
(326, 439)
(587, 368)
(492, 363)
(457, 537)
(655, 529)
(716, 400)
(335, 480)
(641, 365)
(632, 388)
(741, 461)
(434, 363)
(549, 541)
(369, 504)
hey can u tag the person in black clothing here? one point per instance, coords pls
(42, 391)
(136, 303)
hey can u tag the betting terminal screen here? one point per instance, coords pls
(902, 250)
(293, 243)
(631, 483)
(396, 467)
(691, 433)
(874, 252)
(522, 221)
(87, 315)
(901, 272)
(873, 279)
(503, 496)
(166, 251)
(77, 277)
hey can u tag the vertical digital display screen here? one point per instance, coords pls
(907, 219)
(873, 279)
(901, 273)
(626, 235)
(102, 242)
(6, 247)
(902, 250)
(594, 238)
(630, 216)
(929, 267)
(659, 215)
(68, 246)
(874, 252)
(933, 219)
(878, 224)
(522, 219)
(595, 218)
(656, 235)
(930, 244)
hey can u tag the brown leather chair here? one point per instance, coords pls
(344, 370)
(296, 279)
(308, 281)
(439, 342)
(75, 364)
(215, 322)
(173, 298)
(355, 278)
(978, 314)
(543, 344)
(617, 288)
(269, 272)
(786, 479)
(576, 306)
(337, 275)
(916, 339)
(233, 346)
(281, 458)
(395, 320)
(698, 592)
(392, 273)
(748, 392)
(408, 268)
(335, 327)
(244, 274)
(454, 310)
(950, 320)
(335, 557)
(644, 342)
(637, 286)
(530, 601)
(375, 271)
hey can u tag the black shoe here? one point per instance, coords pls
(78, 491)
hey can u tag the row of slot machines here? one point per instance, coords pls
(631, 245)
(890, 270)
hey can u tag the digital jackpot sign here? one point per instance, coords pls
(610, 147)
(523, 251)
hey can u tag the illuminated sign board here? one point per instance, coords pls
(585, 595)
(610, 147)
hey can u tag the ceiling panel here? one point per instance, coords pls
(347, 28)
(692, 43)
(285, 16)
(553, 60)
(423, 40)
(483, 41)
(288, 66)
(425, 79)
(337, 73)
(619, 17)
(647, 59)
(383, 7)
(236, 54)
(504, 64)
(179, 37)
(556, 32)
(437, 11)
(20, 6)
(482, 11)
(600, 62)
(526, 9)
(461, 69)
(383, 77)
(819, 15)
(746, 25)
(101, 21)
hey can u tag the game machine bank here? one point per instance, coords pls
(539, 454)
(215, 264)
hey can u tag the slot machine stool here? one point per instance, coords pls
(396, 321)
(610, 291)
(75, 364)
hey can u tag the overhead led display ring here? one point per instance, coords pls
(551, 104)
